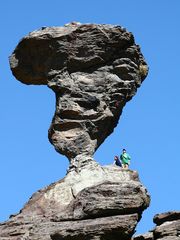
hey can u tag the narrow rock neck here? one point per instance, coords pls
(80, 162)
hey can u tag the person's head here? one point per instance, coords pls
(116, 158)
(124, 150)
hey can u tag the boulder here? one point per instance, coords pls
(94, 70)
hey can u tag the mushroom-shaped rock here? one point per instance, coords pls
(93, 69)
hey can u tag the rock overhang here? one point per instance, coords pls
(72, 47)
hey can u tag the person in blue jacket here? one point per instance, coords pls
(117, 161)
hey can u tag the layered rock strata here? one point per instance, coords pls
(94, 203)
(167, 227)
(94, 69)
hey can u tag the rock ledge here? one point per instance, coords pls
(94, 203)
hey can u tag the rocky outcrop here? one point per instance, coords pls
(167, 227)
(94, 203)
(94, 69)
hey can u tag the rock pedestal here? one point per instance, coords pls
(94, 203)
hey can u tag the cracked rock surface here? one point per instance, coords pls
(94, 69)
(94, 203)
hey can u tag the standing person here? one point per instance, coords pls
(117, 161)
(125, 159)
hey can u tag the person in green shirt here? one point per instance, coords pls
(125, 159)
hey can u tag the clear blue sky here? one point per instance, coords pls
(148, 129)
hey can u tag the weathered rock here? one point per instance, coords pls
(116, 227)
(94, 203)
(168, 227)
(94, 69)
(167, 216)
(93, 192)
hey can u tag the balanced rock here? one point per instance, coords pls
(94, 69)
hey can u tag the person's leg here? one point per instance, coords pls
(126, 166)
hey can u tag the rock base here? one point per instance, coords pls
(94, 203)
